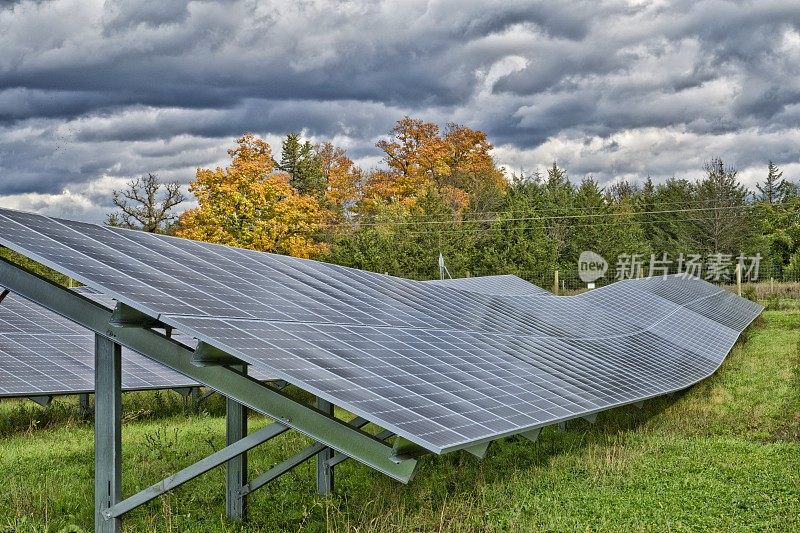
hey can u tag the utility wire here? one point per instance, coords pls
(540, 218)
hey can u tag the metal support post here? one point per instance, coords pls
(739, 278)
(107, 432)
(83, 405)
(195, 398)
(236, 478)
(324, 470)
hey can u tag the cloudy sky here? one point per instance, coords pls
(94, 93)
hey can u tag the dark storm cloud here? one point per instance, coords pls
(92, 93)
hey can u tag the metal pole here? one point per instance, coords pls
(83, 403)
(236, 478)
(555, 282)
(107, 432)
(739, 278)
(324, 470)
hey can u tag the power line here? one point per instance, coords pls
(539, 218)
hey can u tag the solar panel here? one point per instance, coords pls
(42, 353)
(443, 366)
(500, 285)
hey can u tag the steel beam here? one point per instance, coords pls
(236, 476)
(201, 467)
(107, 432)
(319, 426)
(324, 471)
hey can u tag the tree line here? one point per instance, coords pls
(439, 190)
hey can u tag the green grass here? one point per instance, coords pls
(723, 455)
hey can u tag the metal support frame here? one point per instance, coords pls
(183, 391)
(324, 470)
(107, 432)
(479, 450)
(338, 435)
(236, 475)
(207, 355)
(532, 435)
(201, 467)
(44, 400)
(126, 316)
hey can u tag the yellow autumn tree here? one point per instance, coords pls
(456, 162)
(248, 204)
(341, 176)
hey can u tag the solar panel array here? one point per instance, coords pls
(42, 353)
(441, 366)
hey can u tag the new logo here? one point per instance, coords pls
(591, 266)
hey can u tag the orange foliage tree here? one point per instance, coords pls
(342, 178)
(249, 205)
(457, 162)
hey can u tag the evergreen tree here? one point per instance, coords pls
(722, 225)
(303, 164)
(609, 229)
(558, 194)
(773, 184)
(515, 244)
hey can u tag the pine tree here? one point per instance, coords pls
(773, 185)
(559, 194)
(722, 226)
(303, 164)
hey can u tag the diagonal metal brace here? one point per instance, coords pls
(281, 468)
(275, 404)
(201, 467)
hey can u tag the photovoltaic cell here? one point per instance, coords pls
(444, 364)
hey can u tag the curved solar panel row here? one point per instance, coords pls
(441, 366)
(500, 285)
(42, 353)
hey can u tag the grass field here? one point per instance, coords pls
(723, 455)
